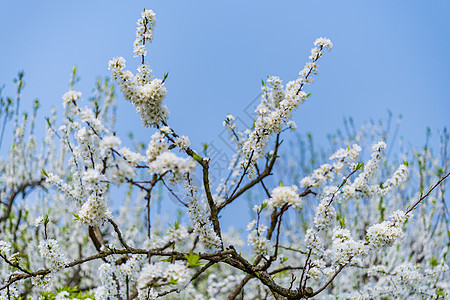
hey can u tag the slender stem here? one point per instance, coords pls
(427, 194)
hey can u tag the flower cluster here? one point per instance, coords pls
(178, 233)
(5, 247)
(145, 93)
(314, 242)
(344, 247)
(70, 97)
(169, 162)
(399, 176)
(345, 157)
(156, 146)
(325, 215)
(360, 187)
(319, 176)
(160, 274)
(260, 244)
(50, 250)
(111, 273)
(94, 211)
(342, 157)
(386, 232)
(284, 195)
(277, 106)
(199, 217)
(144, 32)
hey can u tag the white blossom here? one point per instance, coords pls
(49, 249)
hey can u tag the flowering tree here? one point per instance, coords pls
(336, 232)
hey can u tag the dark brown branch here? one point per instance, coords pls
(428, 193)
(119, 234)
(20, 189)
(266, 172)
(328, 282)
(216, 257)
(239, 288)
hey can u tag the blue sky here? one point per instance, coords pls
(387, 55)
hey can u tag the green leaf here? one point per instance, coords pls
(176, 226)
(77, 217)
(193, 259)
(434, 262)
(43, 172)
(359, 166)
(263, 205)
(173, 281)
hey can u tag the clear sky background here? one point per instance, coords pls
(387, 55)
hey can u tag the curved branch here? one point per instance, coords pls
(20, 189)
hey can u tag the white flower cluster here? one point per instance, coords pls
(276, 108)
(319, 176)
(176, 234)
(5, 247)
(169, 162)
(65, 295)
(144, 32)
(42, 281)
(88, 116)
(360, 187)
(260, 244)
(399, 176)
(182, 142)
(147, 294)
(325, 215)
(70, 97)
(344, 247)
(161, 274)
(387, 232)
(314, 242)
(39, 220)
(94, 211)
(113, 276)
(217, 286)
(323, 42)
(318, 269)
(133, 158)
(49, 249)
(406, 279)
(145, 93)
(342, 157)
(12, 293)
(109, 142)
(345, 157)
(156, 146)
(199, 217)
(285, 195)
